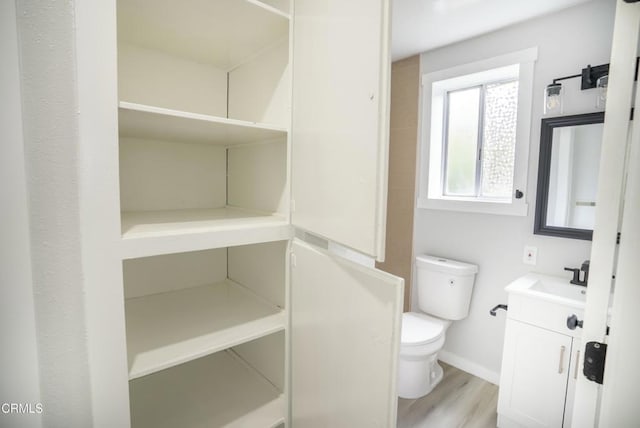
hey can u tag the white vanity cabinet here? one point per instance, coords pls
(538, 368)
(244, 123)
(540, 363)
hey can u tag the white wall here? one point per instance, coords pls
(51, 157)
(567, 41)
(19, 373)
(67, 56)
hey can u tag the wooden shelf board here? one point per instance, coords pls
(221, 33)
(168, 329)
(149, 233)
(157, 123)
(216, 391)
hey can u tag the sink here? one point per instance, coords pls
(569, 291)
(550, 288)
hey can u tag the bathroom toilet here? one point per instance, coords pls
(444, 289)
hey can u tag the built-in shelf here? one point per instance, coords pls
(150, 233)
(156, 123)
(167, 329)
(220, 390)
(189, 28)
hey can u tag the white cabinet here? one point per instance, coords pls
(537, 366)
(540, 365)
(340, 121)
(345, 324)
(229, 320)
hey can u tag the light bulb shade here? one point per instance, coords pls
(601, 92)
(553, 99)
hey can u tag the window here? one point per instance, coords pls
(479, 140)
(475, 134)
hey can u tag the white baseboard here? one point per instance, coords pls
(469, 367)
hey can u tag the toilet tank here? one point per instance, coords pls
(444, 286)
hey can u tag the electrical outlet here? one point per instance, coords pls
(530, 255)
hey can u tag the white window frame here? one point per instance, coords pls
(435, 86)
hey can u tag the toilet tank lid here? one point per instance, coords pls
(442, 264)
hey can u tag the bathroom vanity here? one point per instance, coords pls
(541, 359)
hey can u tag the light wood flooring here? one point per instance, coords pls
(460, 400)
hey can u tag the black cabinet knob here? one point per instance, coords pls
(573, 322)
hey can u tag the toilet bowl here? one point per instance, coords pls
(418, 369)
(444, 294)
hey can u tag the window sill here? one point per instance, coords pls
(475, 206)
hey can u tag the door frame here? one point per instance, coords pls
(611, 181)
(619, 406)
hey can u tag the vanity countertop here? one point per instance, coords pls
(550, 288)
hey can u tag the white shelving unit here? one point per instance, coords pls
(204, 112)
(210, 265)
(216, 391)
(167, 329)
(203, 124)
(225, 58)
(177, 327)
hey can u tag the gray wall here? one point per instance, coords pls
(567, 41)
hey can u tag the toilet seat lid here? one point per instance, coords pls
(418, 329)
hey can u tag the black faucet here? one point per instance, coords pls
(576, 274)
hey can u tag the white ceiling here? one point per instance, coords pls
(421, 25)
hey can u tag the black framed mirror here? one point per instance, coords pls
(568, 175)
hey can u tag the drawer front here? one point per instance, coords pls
(542, 313)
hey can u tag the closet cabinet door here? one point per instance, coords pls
(340, 121)
(345, 340)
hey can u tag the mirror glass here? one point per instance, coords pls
(568, 175)
(573, 176)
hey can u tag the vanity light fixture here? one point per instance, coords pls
(591, 77)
